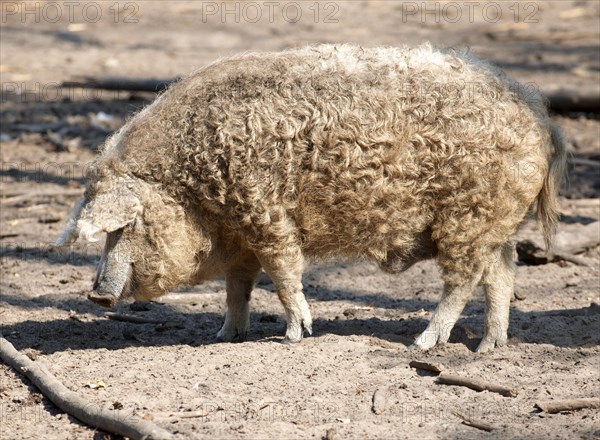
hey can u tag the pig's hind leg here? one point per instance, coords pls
(453, 301)
(240, 279)
(462, 266)
(499, 283)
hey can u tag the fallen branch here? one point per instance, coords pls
(573, 101)
(436, 368)
(585, 162)
(41, 128)
(132, 318)
(583, 203)
(331, 434)
(474, 423)
(3, 236)
(519, 295)
(558, 36)
(556, 406)
(18, 196)
(379, 401)
(580, 261)
(573, 239)
(73, 404)
(577, 240)
(189, 415)
(116, 83)
(476, 384)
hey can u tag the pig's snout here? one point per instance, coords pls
(100, 294)
(104, 299)
(113, 281)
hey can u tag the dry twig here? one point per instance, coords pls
(580, 261)
(574, 101)
(132, 318)
(21, 196)
(190, 414)
(436, 368)
(474, 423)
(585, 162)
(556, 406)
(70, 402)
(116, 83)
(567, 243)
(476, 384)
(331, 434)
(379, 400)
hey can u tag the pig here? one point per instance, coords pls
(267, 161)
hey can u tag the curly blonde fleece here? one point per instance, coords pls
(339, 151)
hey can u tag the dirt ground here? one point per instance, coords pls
(364, 319)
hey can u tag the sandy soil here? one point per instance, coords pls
(364, 319)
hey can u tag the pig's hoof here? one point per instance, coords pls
(307, 327)
(103, 300)
(489, 343)
(306, 322)
(288, 341)
(293, 337)
(415, 346)
(425, 341)
(231, 336)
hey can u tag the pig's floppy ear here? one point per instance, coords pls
(106, 212)
(109, 211)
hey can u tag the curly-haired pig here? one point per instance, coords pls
(267, 161)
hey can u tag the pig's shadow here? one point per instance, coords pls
(86, 328)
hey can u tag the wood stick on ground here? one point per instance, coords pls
(436, 368)
(379, 400)
(585, 162)
(554, 36)
(556, 406)
(580, 261)
(476, 384)
(519, 295)
(189, 415)
(575, 241)
(132, 318)
(574, 101)
(41, 128)
(116, 83)
(474, 423)
(20, 196)
(70, 402)
(567, 243)
(582, 203)
(331, 434)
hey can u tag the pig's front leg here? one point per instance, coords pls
(240, 281)
(286, 272)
